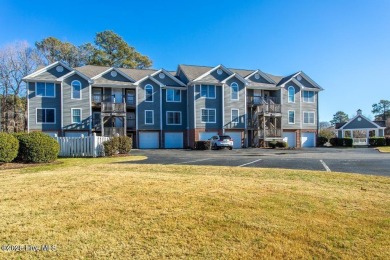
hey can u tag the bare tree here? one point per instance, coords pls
(17, 60)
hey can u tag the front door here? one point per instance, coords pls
(117, 95)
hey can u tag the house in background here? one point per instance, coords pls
(360, 129)
(164, 109)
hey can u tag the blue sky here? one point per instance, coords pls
(344, 45)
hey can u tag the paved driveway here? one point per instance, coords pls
(357, 160)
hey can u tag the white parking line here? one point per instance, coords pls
(248, 163)
(325, 166)
(193, 161)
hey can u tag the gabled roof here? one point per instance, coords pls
(345, 126)
(220, 66)
(193, 71)
(92, 70)
(114, 69)
(169, 75)
(151, 78)
(137, 74)
(237, 76)
(292, 77)
(264, 75)
(42, 70)
(75, 72)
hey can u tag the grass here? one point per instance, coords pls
(104, 208)
(384, 149)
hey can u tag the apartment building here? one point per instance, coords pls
(166, 109)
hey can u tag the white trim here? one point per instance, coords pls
(90, 108)
(194, 86)
(303, 95)
(208, 109)
(288, 117)
(166, 95)
(243, 80)
(166, 117)
(46, 69)
(136, 113)
(44, 123)
(309, 80)
(113, 69)
(377, 126)
(213, 69)
(231, 91)
(238, 116)
(223, 108)
(152, 93)
(314, 117)
(71, 90)
(169, 75)
(208, 97)
(62, 107)
(265, 76)
(288, 94)
(28, 105)
(152, 117)
(90, 81)
(81, 115)
(36, 86)
(151, 78)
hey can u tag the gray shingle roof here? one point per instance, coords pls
(92, 70)
(137, 74)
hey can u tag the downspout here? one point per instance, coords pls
(223, 108)
(62, 108)
(136, 116)
(161, 131)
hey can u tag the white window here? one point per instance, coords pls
(207, 91)
(46, 116)
(208, 115)
(291, 94)
(149, 93)
(235, 116)
(43, 89)
(173, 118)
(76, 89)
(308, 96)
(308, 117)
(173, 95)
(76, 115)
(149, 117)
(234, 91)
(291, 117)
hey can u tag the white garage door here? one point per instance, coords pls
(308, 140)
(148, 140)
(75, 134)
(204, 136)
(236, 136)
(289, 138)
(174, 140)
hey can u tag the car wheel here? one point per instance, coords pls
(215, 147)
(230, 148)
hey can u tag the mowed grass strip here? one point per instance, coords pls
(384, 149)
(104, 208)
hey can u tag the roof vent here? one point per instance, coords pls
(161, 75)
(257, 76)
(59, 69)
(219, 71)
(299, 77)
(114, 73)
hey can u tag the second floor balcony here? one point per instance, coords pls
(128, 100)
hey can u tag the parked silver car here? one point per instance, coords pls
(221, 141)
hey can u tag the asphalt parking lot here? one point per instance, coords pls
(350, 160)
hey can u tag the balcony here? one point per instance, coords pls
(110, 107)
(98, 99)
(271, 133)
(269, 109)
(112, 131)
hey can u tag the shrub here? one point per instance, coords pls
(202, 145)
(321, 140)
(281, 144)
(9, 147)
(272, 144)
(111, 146)
(125, 144)
(37, 147)
(348, 142)
(388, 141)
(334, 141)
(377, 141)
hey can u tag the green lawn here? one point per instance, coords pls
(384, 149)
(104, 208)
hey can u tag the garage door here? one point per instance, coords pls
(148, 140)
(308, 139)
(204, 136)
(236, 136)
(174, 140)
(75, 134)
(289, 138)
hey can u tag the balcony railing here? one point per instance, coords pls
(271, 133)
(128, 99)
(269, 108)
(109, 107)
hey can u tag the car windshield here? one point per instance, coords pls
(224, 137)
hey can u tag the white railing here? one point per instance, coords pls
(360, 141)
(85, 146)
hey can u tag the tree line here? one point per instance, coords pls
(18, 60)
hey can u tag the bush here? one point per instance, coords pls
(377, 141)
(111, 146)
(202, 145)
(281, 144)
(272, 144)
(388, 141)
(9, 147)
(348, 142)
(321, 140)
(37, 147)
(125, 144)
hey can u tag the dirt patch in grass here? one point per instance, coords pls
(105, 209)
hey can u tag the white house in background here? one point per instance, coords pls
(360, 128)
